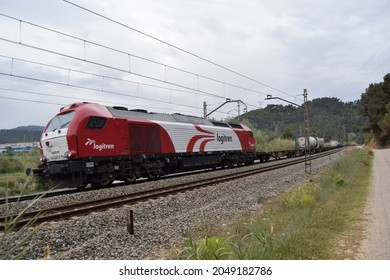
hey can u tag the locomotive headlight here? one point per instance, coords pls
(43, 159)
(69, 154)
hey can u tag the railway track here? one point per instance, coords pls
(64, 212)
(67, 191)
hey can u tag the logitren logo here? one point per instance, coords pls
(99, 147)
(206, 137)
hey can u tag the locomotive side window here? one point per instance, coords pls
(96, 122)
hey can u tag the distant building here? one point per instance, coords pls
(18, 147)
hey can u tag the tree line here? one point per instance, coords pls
(375, 106)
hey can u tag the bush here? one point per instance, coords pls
(10, 165)
(209, 248)
(338, 179)
(300, 198)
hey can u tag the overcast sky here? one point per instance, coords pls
(53, 53)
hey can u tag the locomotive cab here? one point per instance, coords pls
(60, 142)
(54, 145)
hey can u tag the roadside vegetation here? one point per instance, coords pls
(13, 180)
(268, 142)
(319, 220)
(265, 143)
(13, 242)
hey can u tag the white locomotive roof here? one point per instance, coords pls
(143, 114)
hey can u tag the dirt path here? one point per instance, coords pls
(376, 246)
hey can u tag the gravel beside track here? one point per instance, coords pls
(161, 226)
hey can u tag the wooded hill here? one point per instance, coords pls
(328, 117)
(21, 134)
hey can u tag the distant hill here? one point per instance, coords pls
(30, 133)
(328, 117)
(30, 128)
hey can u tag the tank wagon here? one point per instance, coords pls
(315, 144)
(334, 143)
(88, 143)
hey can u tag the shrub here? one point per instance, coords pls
(10, 165)
(208, 248)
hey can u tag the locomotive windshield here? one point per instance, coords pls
(60, 121)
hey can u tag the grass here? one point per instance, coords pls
(268, 143)
(13, 242)
(308, 222)
(13, 181)
(276, 144)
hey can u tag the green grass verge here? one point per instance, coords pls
(309, 222)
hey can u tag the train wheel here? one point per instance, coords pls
(131, 179)
(83, 185)
(103, 183)
(106, 183)
(153, 176)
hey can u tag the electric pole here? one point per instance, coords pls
(306, 121)
(307, 134)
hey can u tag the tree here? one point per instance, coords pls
(373, 105)
(287, 134)
(384, 125)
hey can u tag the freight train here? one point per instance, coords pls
(88, 143)
(302, 146)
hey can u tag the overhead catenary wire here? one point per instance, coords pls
(128, 70)
(67, 82)
(69, 70)
(28, 100)
(195, 90)
(178, 48)
(72, 98)
(96, 90)
(353, 85)
(93, 89)
(84, 59)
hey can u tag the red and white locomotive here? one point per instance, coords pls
(88, 143)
